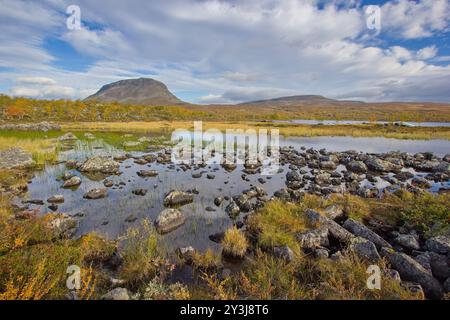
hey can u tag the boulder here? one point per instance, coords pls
(438, 244)
(178, 198)
(131, 144)
(232, 210)
(379, 165)
(283, 252)
(407, 241)
(313, 238)
(218, 201)
(334, 229)
(321, 253)
(439, 265)
(411, 270)
(72, 182)
(100, 164)
(360, 230)
(147, 173)
(364, 249)
(69, 136)
(333, 212)
(96, 193)
(322, 178)
(59, 198)
(63, 225)
(356, 167)
(67, 175)
(186, 253)
(117, 294)
(327, 165)
(16, 158)
(140, 192)
(447, 285)
(168, 220)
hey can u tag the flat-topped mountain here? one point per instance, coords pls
(142, 91)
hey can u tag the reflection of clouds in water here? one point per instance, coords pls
(200, 223)
(370, 145)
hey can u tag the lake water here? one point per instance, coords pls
(108, 216)
(358, 122)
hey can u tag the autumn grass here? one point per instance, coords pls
(206, 261)
(285, 129)
(234, 243)
(142, 255)
(43, 149)
(277, 224)
(268, 278)
(33, 261)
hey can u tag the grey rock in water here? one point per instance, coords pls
(178, 198)
(58, 198)
(168, 220)
(379, 165)
(72, 182)
(69, 136)
(357, 167)
(233, 209)
(96, 193)
(147, 173)
(100, 164)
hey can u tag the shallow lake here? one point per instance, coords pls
(358, 122)
(108, 216)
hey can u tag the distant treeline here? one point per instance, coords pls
(25, 109)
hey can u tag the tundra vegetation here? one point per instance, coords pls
(276, 252)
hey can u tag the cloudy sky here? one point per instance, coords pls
(210, 51)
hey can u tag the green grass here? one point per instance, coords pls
(234, 243)
(277, 224)
(266, 277)
(142, 256)
(33, 262)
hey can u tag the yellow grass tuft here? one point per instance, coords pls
(235, 243)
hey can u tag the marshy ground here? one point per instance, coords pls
(257, 252)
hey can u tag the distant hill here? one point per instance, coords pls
(142, 91)
(299, 101)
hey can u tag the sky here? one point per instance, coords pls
(210, 51)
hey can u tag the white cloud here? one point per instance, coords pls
(49, 92)
(427, 53)
(415, 19)
(229, 51)
(37, 80)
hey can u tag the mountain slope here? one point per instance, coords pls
(142, 91)
(299, 101)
